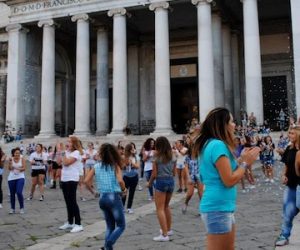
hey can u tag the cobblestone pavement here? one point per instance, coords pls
(258, 221)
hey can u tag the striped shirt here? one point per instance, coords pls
(106, 180)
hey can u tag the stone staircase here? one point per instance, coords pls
(138, 140)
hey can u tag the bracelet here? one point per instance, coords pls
(243, 165)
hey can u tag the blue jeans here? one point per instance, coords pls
(148, 175)
(112, 207)
(218, 222)
(16, 187)
(289, 211)
(164, 184)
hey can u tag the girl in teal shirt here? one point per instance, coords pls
(220, 172)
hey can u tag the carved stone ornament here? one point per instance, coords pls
(154, 6)
(47, 22)
(196, 2)
(118, 11)
(13, 27)
(77, 17)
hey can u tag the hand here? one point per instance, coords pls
(249, 155)
(124, 192)
(284, 179)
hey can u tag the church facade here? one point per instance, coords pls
(147, 66)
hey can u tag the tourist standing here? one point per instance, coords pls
(163, 173)
(110, 185)
(148, 154)
(290, 180)
(220, 172)
(2, 162)
(180, 151)
(38, 161)
(16, 179)
(130, 175)
(71, 161)
(192, 172)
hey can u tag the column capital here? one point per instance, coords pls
(117, 12)
(198, 2)
(163, 5)
(78, 17)
(46, 22)
(13, 27)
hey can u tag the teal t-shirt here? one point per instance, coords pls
(216, 196)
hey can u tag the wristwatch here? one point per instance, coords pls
(243, 165)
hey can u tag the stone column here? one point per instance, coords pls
(47, 126)
(82, 97)
(253, 76)
(295, 7)
(102, 116)
(205, 58)
(162, 70)
(15, 76)
(119, 71)
(227, 64)
(218, 59)
(236, 75)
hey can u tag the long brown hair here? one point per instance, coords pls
(109, 155)
(214, 126)
(163, 149)
(76, 145)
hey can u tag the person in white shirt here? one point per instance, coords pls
(71, 161)
(180, 152)
(38, 161)
(16, 179)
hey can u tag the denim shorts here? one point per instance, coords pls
(218, 222)
(165, 185)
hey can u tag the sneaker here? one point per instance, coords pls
(22, 211)
(185, 190)
(42, 198)
(1, 205)
(12, 211)
(267, 180)
(97, 195)
(169, 233)
(252, 187)
(244, 191)
(82, 199)
(77, 229)
(183, 209)
(161, 238)
(150, 198)
(179, 190)
(30, 197)
(130, 211)
(272, 181)
(140, 188)
(66, 226)
(281, 241)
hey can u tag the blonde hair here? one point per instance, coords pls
(296, 128)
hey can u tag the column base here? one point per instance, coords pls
(162, 132)
(45, 135)
(102, 132)
(82, 133)
(116, 133)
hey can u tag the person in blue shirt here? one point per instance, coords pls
(110, 185)
(220, 171)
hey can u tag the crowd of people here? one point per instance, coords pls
(213, 158)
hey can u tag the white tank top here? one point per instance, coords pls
(16, 173)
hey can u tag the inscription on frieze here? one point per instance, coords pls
(43, 5)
